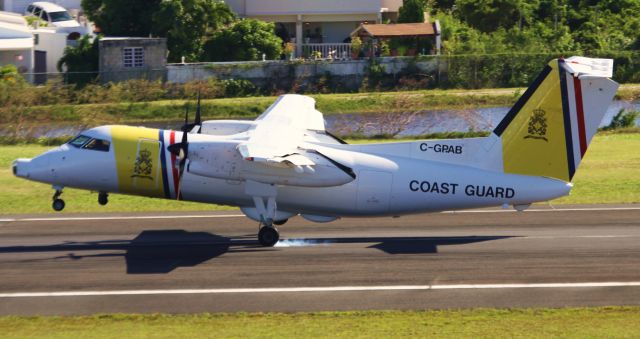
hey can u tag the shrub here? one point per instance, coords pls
(238, 88)
(624, 119)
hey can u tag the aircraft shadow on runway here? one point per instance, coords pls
(403, 245)
(162, 251)
(151, 252)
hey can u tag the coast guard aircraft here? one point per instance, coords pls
(285, 164)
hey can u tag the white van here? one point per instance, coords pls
(55, 16)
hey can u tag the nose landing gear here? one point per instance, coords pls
(103, 198)
(58, 204)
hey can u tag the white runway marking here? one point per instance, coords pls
(318, 289)
(194, 216)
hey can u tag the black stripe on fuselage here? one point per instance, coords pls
(567, 118)
(502, 126)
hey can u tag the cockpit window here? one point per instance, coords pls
(97, 145)
(79, 141)
(85, 142)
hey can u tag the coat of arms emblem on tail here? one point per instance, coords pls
(537, 125)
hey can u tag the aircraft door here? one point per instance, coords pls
(374, 191)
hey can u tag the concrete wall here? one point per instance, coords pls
(282, 75)
(391, 5)
(53, 43)
(111, 59)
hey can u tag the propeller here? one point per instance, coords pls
(181, 150)
(188, 127)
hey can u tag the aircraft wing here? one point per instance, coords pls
(279, 132)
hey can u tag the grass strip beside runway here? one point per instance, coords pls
(609, 322)
(608, 174)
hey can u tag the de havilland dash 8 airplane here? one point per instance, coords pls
(285, 163)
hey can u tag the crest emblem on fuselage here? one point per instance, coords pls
(143, 165)
(537, 125)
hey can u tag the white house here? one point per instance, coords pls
(318, 24)
(16, 42)
(34, 51)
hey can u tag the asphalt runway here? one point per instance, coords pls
(211, 262)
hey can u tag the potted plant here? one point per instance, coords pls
(288, 50)
(356, 47)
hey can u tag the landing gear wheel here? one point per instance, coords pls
(58, 205)
(268, 236)
(103, 198)
(280, 222)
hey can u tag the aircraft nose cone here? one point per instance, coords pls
(21, 168)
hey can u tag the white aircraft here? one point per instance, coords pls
(285, 164)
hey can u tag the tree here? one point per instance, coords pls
(245, 40)
(490, 15)
(81, 61)
(186, 23)
(411, 11)
(122, 17)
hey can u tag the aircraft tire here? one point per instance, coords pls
(268, 236)
(58, 205)
(103, 199)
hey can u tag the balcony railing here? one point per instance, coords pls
(327, 51)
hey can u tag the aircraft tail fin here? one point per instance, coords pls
(548, 130)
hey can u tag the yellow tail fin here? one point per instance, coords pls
(548, 130)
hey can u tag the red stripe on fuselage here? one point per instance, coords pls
(580, 113)
(174, 170)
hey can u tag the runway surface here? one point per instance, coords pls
(211, 262)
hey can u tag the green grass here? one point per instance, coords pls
(608, 174)
(603, 322)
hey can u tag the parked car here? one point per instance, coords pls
(55, 16)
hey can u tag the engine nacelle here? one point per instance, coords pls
(222, 160)
(318, 218)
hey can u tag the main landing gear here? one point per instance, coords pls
(268, 235)
(58, 204)
(264, 198)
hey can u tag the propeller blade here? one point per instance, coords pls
(198, 121)
(181, 151)
(182, 164)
